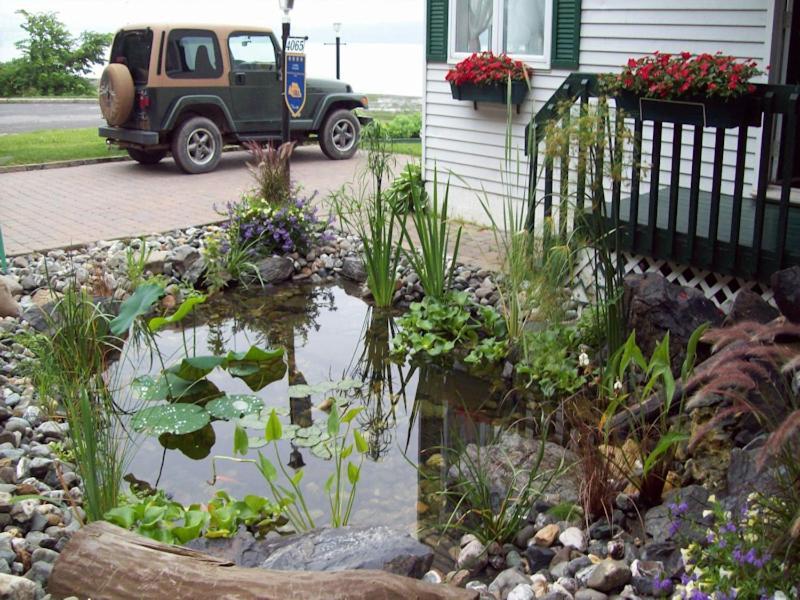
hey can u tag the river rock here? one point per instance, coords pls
(573, 537)
(657, 306)
(609, 575)
(547, 535)
(13, 285)
(506, 581)
(8, 306)
(521, 592)
(472, 556)
(17, 588)
(786, 287)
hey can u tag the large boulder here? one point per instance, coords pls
(786, 287)
(384, 548)
(656, 306)
(275, 269)
(749, 306)
(8, 306)
(353, 269)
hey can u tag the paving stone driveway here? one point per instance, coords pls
(53, 208)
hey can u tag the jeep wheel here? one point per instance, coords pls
(197, 145)
(146, 157)
(339, 136)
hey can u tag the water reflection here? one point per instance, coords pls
(329, 334)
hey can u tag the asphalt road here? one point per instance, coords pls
(17, 118)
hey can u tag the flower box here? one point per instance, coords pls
(724, 113)
(496, 93)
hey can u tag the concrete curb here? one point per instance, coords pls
(60, 164)
(48, 100)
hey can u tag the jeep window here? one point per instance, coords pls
(252, 52)
(193, 54)
(132, 49)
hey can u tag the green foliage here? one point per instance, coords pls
(478, 507)
(407, 186)
(159, 518)
(53, 144)
(551, 362)
(362, 209)
(630, 380)
(736, 558)
(400, 127)
(340, 486)
(136, 264)
(68, 367)
(436, 328)
(427, 254)
(138, 304)
(53, 62)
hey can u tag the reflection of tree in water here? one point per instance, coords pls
(381, 391)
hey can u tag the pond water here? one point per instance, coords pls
(329, 334)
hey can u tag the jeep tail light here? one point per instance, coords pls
(365, 102)
(142, 100)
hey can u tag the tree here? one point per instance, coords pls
(53, 62)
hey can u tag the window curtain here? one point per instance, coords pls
(473, 20)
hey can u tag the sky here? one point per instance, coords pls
(388, 21)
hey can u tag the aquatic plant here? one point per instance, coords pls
(407, 185)
(158, 517)
(552, 362)
(427, 251)
(340, 486)
(361, 208)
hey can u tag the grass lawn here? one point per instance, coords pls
(53, 144)
(410, 148)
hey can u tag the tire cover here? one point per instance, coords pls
(116, 94)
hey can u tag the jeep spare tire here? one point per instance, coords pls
(116, 93)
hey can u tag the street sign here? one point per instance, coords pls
(294, 91)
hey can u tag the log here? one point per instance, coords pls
(103, 561)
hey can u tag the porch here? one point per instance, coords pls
(721, 200)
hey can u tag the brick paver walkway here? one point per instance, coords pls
(41, 210)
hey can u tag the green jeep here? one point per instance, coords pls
(190, 89)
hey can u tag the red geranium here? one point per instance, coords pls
(486, 68)
(682, 75)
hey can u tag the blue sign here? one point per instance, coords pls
(294, 90)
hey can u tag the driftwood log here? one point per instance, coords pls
(103, 561)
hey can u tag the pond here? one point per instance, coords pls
(330, 335)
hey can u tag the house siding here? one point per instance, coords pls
(467, 145)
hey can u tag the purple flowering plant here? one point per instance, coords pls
(735, 557)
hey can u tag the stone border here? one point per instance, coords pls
(60, 164)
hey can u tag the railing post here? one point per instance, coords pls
(787, 156)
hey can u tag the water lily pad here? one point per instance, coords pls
(257, 367)
(322, 451)
(235, 406)
(170, 418)
(255, 442)
(139, 303)
(196, 367)
(196, 445)
(303, 390)
(171, 387)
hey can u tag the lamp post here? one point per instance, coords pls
(286, 6)
(337, 27)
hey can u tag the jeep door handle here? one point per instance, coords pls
(239, 78)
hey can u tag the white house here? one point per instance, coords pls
(465, 143)
(558, 37)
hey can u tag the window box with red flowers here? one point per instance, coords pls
(706, 90)
(486, 77)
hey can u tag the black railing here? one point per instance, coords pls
(748, 236)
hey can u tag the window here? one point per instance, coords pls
(193, 54)
(132, 48)
(252, 52)
(520, 28)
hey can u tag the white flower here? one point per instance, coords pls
(707, 513)
(617, 386)
(779, 595)
(712, 498)
(725, 573)
(583, 359)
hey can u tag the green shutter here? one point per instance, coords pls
(566, 34)
(436, 43)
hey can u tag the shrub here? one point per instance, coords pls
(270, 169)
(405, 187)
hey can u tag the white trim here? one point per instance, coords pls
(536, 62)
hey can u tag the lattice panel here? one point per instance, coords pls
(721, 289)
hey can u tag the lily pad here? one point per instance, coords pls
(171, 387)
(323, 387)
(170, 418)
(196, 367)
(184, 309)
(140, 303)
(196, 445)
(234, 407)
(322, 451)
(256, 367)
